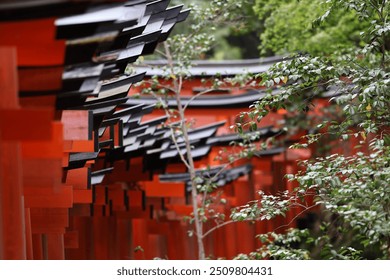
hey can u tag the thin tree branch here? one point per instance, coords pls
(194, 194)
(196, 96)
(296, 216)
(217, 227)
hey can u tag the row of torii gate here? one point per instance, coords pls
(86, 171)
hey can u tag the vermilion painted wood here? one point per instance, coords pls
(41, 173)
(156, 189)
(176, 238)
(84, 250)
(116, 197)
(35, 41)
(40, 79)
(134, 213)
(28, 124)
(71, 240)
(37, 246)
(82, 196)
(100, 237)
(29, 240)
(140, 238)
(51, 148)
(48, 101)
(48, 197)
(8, 78)
(124, 172)
(75, 124)
(12, 222)
(82, 146)
(78, 178)
(100, 195)
(55, 246)
(49, 220)
(158, 244)
(184, 210)
(135, 198)
(227, 235)
(122, 239)
(246, 238)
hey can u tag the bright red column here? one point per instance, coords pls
(12, 225)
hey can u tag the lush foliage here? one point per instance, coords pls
(351, 186)
(180, 50)
(234, 37)
(344, 59)
(288, 27)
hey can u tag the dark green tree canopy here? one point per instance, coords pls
(346, 54)
(288, 27)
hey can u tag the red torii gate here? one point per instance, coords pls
(50, 212)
